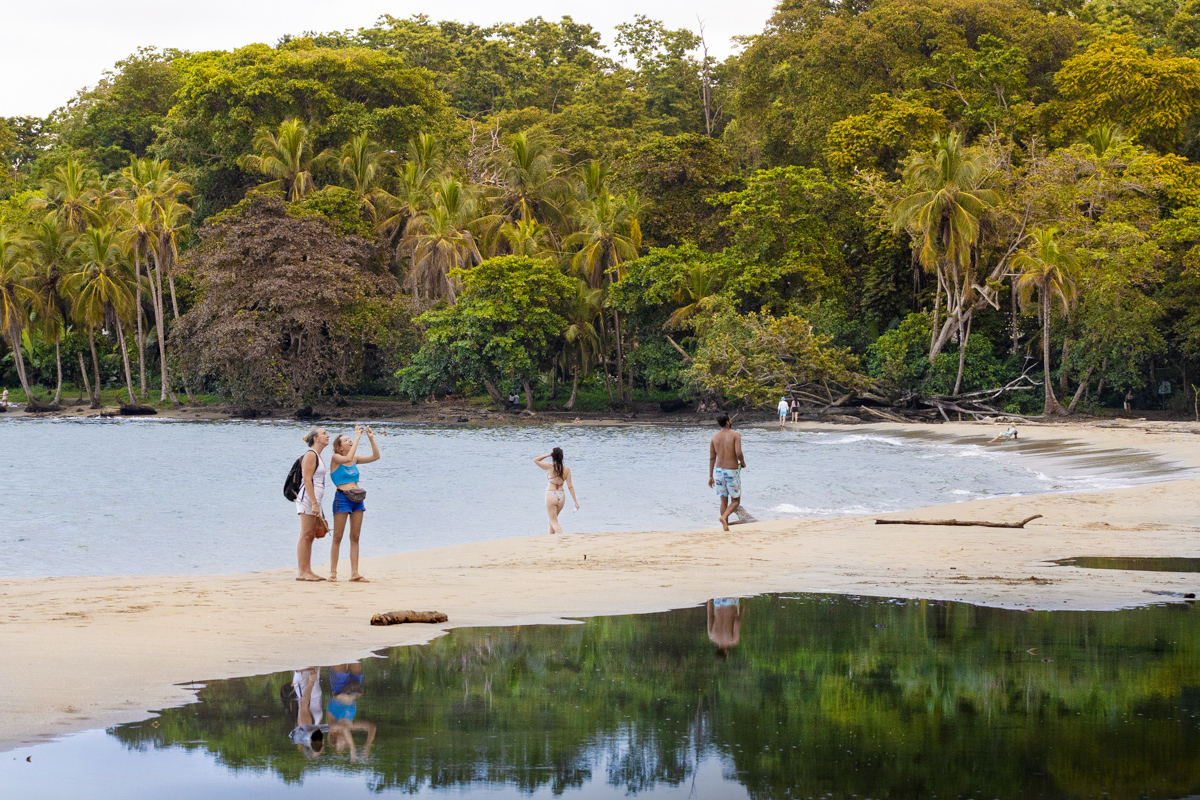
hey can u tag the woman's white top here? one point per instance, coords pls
(303, 506)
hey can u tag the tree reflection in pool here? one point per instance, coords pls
(819, 695)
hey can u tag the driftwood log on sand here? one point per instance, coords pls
(962, 522)
(399, 617)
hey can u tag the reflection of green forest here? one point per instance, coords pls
(945, 700)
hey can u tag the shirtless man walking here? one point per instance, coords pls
(725, 459)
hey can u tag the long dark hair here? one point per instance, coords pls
(556, 457)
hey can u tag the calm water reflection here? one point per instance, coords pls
(766, 697)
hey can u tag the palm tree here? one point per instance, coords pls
(360, 164)
(526, 237)
(439, 240)
(16, 296)
(139, 235)
(50, 256)
(701, 281)
(101, 289)
(608, 234)
(285, 156)
(1102, 136)
(942, 213)
(73, 191)
(1044, 268)
(581, 309)
(530, 180)
(413, 182)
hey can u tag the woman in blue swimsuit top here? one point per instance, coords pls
(349, 502)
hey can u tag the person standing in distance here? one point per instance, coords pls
(783, 411)
(725, 460)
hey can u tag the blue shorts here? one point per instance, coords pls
(343, 505)
(728, 482)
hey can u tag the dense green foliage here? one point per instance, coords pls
(861, 201)
(829, 695)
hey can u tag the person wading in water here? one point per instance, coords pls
(725, 462)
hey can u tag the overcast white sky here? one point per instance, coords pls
(49, 50)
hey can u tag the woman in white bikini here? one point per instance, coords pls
(556, 498)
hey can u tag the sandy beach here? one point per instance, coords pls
(100, 651)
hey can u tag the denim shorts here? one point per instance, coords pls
(343, 505)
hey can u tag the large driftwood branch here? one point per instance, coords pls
(960, 522)
(398, 617)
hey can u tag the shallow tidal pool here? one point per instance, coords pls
(775, 696)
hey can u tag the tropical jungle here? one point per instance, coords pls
(919, 206)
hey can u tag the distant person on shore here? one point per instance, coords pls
(725, 462)
(350, 499)
(783, 411)
(308, 502)
(725, 615)
(1129, 399)
(4, 398)
(556, 498)
(1009, 435)
(795, 410)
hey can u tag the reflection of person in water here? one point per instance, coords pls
(346, 682)
(725, 615)
(309, 733)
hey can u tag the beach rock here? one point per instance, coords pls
(400, 617)
(305, 413)
(137, 410)
(109, 411)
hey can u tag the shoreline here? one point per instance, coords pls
(109, 649)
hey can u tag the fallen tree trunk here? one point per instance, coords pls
(400, 617)
(960, 522)
(137, 410)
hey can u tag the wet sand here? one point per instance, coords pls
(83, 653)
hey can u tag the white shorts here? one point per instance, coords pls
(303, 506)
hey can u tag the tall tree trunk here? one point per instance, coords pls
(1100, 385)
(14, 338)
(165, 385)
(95, 365)
(963, 338)
(937, 308)
(574, 391)
(174, 299)
(1016, 328)
(1079, 391)
(493, 392)
(58, 363)
(141, 330)
(85, 384)
(528, 394)
(1063, 386)
(125, 359)
(620, 356)
(1052, 406)
(604, 357)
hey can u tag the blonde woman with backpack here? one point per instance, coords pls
(308, 502)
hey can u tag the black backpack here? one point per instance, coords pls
(295, 479)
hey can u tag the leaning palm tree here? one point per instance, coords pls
(581, 309)
(73, 191)
(50, 256)
(1045, 269)
(16, 297)
(941, 211)
(102, 288)
(439, 241)
(284, 156)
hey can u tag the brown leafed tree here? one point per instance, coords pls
(277, 320)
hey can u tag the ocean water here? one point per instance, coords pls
(137, 496)
(770, 697)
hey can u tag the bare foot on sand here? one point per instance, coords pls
(333, 576)
(358, 579)
(310, 577)
(724, 522)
